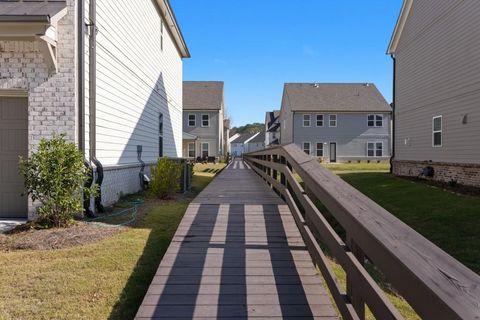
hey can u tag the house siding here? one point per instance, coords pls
(212, 134)
(351, 135)
(136, 81)
(438, 73)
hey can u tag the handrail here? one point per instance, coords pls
(435, 284)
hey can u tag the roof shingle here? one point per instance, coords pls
(202, 95)
(349, 97)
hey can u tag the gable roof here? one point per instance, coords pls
(172, 25)
(243, 138)
(260, 137)
(202, 95)
(341, 97)
(31, 11)
(402, 19)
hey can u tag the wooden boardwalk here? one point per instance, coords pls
(237, 254)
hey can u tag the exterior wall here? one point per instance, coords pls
(464, 174)
(238, 149)
(254, 146)
(286, 121)
(136, 81)
(120, 181)
(211, 134)
(351, 135)
(438, 73)
(51, 96)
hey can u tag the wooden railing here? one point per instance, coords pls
(435, 285)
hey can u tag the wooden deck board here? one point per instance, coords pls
(237, 254)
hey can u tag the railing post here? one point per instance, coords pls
(275, 172)
(352, 289)
(283, 179)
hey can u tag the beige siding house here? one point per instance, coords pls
(107, 73)
(436, 51)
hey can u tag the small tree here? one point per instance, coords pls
(165, 178)
(54, 175)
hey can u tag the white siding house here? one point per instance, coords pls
(119, 96)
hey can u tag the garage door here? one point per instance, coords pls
(13, 143)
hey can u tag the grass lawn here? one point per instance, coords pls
(104, 280)
(449, 220)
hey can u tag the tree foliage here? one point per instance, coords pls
(55, 175)
(165, 178)
(248, 128)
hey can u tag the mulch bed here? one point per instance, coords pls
(27, 238)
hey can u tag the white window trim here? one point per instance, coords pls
(201, 120)
(194, 149)
(330, 121)
(194, 119)
(316, 120)
(437, 131)
(309, 120)
(316, 150)
(309, 147)
(375, 120)
(375, 149)
(201, 148)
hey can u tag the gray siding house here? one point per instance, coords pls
(256, 143)
(337, 122)
(436, 52)
(239, 145)
(272, 127)
(203, 119)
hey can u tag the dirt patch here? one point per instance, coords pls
(57, 238)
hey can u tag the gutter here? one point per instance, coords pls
(92, 88)
(393, 111)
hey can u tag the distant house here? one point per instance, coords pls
(336, 122)
(108, 76)
(240, 144)
(203, 119)
(435, 49)
(272, 127)
(256, 143)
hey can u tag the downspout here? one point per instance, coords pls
(92, 75)
(81, 96)
(393, 111)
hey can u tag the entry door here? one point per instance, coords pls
(333, 152)
(13, 143)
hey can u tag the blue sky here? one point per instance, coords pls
(255, 46)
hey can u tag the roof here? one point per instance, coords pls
(402, 19)
(202, 95)
(31, 11)
(258, 138)
(244, 137)
(172, 25)
(272, 118)
(341, 97)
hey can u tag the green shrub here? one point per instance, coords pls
(165, 178)
(54, 175)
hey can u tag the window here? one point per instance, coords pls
(191, 150)
(375, 120)
(375, 149)
(161, 35)
(205, 120)
(319, 120)
(306, 120)
(192, 120)
(160, 135)
(319, 149)
(306, 147)
(205, 150)
(437, 131)
(332, 120)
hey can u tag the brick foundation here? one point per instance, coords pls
(465, 174)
